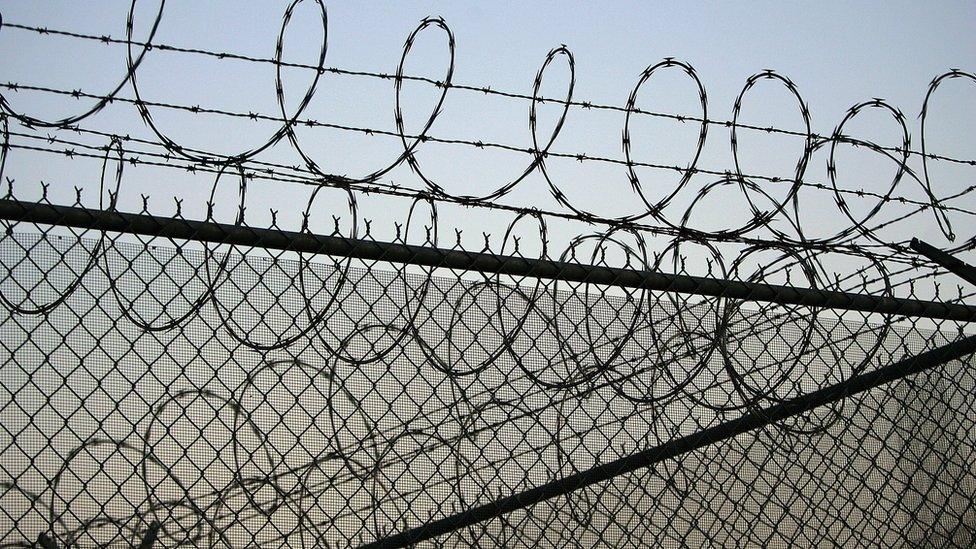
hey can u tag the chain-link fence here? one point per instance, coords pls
(633, 350)
(241, 397)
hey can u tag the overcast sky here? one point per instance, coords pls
(838, 54)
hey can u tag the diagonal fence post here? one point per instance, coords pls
(748, 422)
(949, 263)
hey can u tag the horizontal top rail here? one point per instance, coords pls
(393, 252)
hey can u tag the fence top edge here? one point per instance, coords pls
(12, 210)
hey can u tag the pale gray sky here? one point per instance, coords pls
(838, 54)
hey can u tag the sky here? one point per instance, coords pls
(838, 55)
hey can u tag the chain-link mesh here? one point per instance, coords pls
(697, 350)
(155, 389)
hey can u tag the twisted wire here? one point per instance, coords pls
(487, 90)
